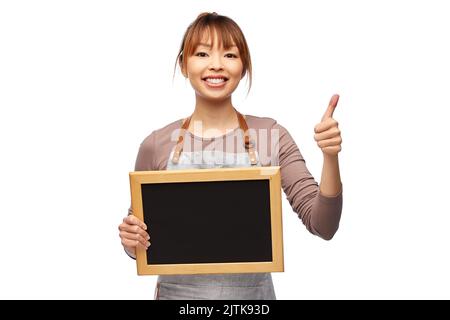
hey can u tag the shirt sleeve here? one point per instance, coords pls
(144, 162)
(320, 214)
(145, 157)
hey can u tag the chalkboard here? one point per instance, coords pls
(209, 220)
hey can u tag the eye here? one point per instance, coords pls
(201, 54)
(230, 55)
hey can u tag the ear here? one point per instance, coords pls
(183, 70)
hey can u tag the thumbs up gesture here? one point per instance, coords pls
(327, 133)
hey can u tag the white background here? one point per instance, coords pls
(82, 83)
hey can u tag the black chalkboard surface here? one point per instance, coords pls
(209, 220)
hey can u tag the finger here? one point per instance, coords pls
(134, 229)
(330, 142)
(325, 125)
(331, 106)
(133, 244)
(134, 236)
(334, 150)
(327, 134)
(134, 220)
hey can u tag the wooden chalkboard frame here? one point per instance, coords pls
(272, 174)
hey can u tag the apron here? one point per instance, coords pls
(235, 286)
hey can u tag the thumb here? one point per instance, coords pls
(331, 106)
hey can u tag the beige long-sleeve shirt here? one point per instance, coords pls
(274, 145)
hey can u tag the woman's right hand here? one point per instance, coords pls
(133, 234)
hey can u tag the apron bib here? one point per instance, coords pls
(235, 286)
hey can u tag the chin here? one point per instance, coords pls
(218, 96)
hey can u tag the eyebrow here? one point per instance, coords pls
(209, 46)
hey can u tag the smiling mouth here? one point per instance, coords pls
(215, 81)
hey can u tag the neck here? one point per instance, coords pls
(217, 115)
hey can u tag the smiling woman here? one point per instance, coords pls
(214, 56)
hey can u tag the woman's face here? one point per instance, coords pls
(214, 72)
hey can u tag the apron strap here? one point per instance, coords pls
(249, 145)
(179, 146)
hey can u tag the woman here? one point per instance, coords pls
(214, 56)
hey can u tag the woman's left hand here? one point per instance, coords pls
(327, 133)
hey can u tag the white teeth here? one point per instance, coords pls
(215, 80)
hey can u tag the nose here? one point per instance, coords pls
(215, 62)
